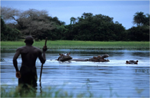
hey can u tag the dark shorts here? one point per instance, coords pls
(28, 76)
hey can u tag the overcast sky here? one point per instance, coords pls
(121, 11)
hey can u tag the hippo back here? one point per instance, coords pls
(64, 57)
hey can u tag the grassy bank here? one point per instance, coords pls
(80, 44)
(57, 92)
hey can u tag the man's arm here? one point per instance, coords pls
(15, 63)
(43, 57)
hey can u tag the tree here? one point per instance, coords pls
(139, 18)
(140, 33)
(8, 33)
(87, 15)
(31, 22)
(34, 22)
(9, 13)
(95, 27)
(72, 20)
(147, 20)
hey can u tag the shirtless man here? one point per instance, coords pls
(29, 54)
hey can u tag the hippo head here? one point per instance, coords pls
(64, 57)
(132, 62)
(105, 56)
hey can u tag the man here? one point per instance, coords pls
(29, 54)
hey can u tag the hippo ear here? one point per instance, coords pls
(60, 54)
(137, 61)
(127, 62)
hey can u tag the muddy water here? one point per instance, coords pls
(101, 79)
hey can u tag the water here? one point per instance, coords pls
(106, 79)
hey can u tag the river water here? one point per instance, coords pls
(101, 79)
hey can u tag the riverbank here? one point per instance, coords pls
(65, 44)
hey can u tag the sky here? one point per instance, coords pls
(121, 11)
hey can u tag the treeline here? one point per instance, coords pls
(87, 27)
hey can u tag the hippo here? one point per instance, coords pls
(132, 62)
(95, 59)
(64, 57)
(99, 58)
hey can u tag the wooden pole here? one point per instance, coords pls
(42, 65)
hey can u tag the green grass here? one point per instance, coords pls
(65, 44)
(49, 92)
(56, 92)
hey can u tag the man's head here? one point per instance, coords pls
(29, 40)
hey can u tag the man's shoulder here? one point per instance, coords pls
(37, 49)
(20, 48)
(26, 47)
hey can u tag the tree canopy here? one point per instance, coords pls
(140, 19)
(9, 34)
(98, 27)
(39, 24)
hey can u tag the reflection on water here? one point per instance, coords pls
(105, 79)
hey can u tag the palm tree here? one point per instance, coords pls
(72, 20)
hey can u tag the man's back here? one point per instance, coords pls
(29, 55)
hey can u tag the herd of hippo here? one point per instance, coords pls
(67, 57)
